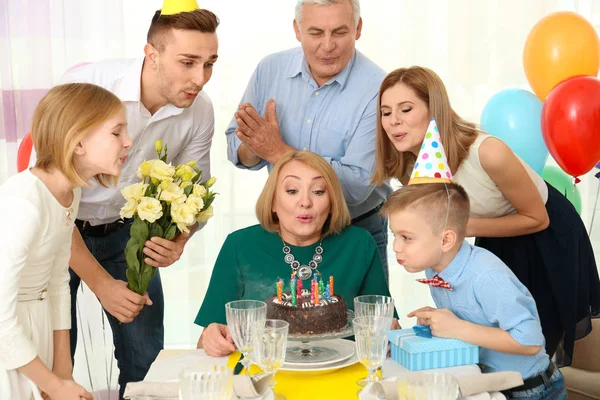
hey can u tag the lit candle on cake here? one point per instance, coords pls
(279, 290)
(321, 287)
(327, 293)
(331, 285)
(300, 287)
(293, 288)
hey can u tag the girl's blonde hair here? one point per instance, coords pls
(64, 116)
(339, 217)
(457, 135)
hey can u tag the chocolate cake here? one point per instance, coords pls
(306, 318)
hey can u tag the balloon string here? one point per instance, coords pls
(595, 205)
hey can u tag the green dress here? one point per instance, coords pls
(251, 261)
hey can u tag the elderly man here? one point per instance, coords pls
(320, 97)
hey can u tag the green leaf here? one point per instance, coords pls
(149, 190)
(188, 190)
(131, 257)
(156, 230)
(139, 230)
(171, 232)
(133, 282)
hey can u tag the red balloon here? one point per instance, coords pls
(571, 124)
(24, 153)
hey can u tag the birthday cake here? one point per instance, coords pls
(306, 317)
(309, 311)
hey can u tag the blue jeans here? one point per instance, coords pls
(553, 389)
(136, 343)
(377, 226)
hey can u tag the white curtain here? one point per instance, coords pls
(475, 46)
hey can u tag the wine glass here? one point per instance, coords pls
(371, 336)
(373, 305)
(270, 342)
(241, 316)
(426, 385)
(206, 382)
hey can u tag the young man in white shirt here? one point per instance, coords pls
(163, 96)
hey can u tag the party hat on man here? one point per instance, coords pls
(171, 7)
(431, 165)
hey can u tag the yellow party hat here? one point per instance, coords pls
(171, 7)
(431, 165)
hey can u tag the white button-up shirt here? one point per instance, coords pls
(187, 131)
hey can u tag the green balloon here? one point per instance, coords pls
(564, 184)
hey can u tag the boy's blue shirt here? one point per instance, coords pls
(486, 292)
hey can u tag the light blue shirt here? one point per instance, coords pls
(486, 292)
(336, 120)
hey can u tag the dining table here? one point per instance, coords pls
(328, 385)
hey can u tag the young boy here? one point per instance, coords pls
(479, 299)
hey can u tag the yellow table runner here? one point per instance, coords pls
(339, 384)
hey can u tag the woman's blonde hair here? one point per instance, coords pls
(64, 116)
(457, 135)
(339, 217)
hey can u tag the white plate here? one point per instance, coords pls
(344, 348)
(307, 369)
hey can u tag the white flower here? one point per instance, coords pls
(161, 170)
(195, 202)
(205, 215)
(144, 169)
(135, 191)
(149, 209)
(183, 215)
(128, 210)
(199, 190)
(172, 194)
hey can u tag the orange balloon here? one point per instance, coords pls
(560, 46)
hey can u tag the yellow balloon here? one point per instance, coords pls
(560, 46)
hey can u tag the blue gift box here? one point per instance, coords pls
(417, 350)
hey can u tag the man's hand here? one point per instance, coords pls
(162, 252)
(442, 322)
(120, 302)
(216, 340)
(261, 135)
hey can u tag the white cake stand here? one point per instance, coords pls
(306, 353)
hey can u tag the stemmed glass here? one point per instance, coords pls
(371, 336)
(270, 342)
(241, 316)
(206, 382)
(374, 306)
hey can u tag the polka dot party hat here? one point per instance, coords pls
(171, 7)
(431, 165)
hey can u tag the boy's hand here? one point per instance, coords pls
(420, 321)
(442, 322)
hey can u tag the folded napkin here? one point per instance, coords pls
(243, 387)
(468, 385)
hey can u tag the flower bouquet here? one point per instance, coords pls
(165, 203)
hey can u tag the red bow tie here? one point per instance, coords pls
(436, 281)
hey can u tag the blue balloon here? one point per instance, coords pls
(514, 116)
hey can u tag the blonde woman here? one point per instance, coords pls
(79, 132)
(514, 214)
(303, 206)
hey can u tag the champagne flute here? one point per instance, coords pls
(270, 342)
(241, 316)
(373, 305)
(371, 335)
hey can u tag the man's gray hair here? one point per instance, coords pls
(355, 5)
